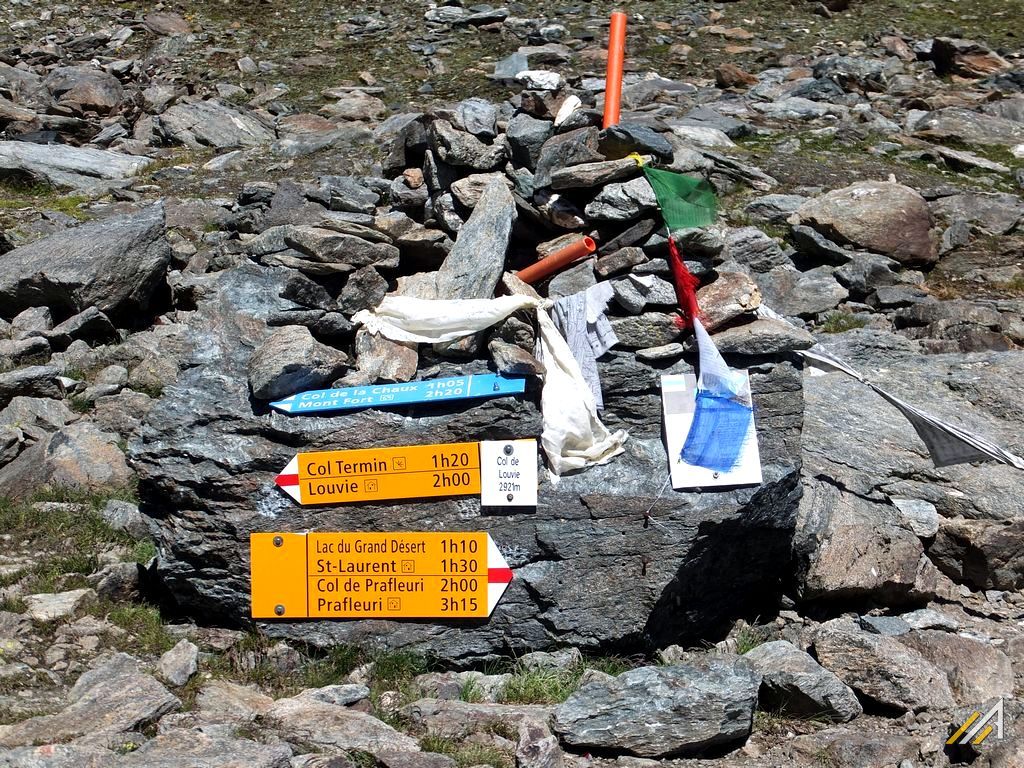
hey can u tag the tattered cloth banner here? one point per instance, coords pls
(573, 437)
(946, 443)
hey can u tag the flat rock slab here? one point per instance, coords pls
(193, 747)
(114, 264)
(335, 728)
(458, 719)
(213, 124)
(577, 560)
(663, 711)
(79, 168)
(61, 605)
(113, 697)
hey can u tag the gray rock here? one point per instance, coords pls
(774, 209)
(117, 582)
(884, 217)
(33, 381)
(753, 248)
(983, 554)
(919, 516)
(380, 359)
(201, 124)
(537, 747)
(84, 89)
(801, 294)
(180, 747)
(330, 727)
(338, 251)
(619, 261)
(764, 336)
(662, 711)
(112, 697)
(818, 249)
(339, 695)
(970, 127)
(586, 175)
(343, 193)
(290, 361)
(478, 117)
(166, 23)
(89, 325)
(114, 264)
(512, 360)
(890, 626)
(732, 295)
(108, 381)
(179, 664)
(364, 289)
(624, 138)
(793, 682)
(929, 618)
(977, 672)
(221, 701)
(459, 719)
(80, 168)
(650, 329)
(58, 756)
(62, 605)
(569, 148)
(476, 261)
(995, 213)
(23, 349)
(526, 136)
(463, 149)
(866, 273)
(882, 670)
(469, 189)
(34, 321)
(850, 548)
(622, 201)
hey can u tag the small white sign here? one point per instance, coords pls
(508, 473)
(679, 399)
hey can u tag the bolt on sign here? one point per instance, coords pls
(357, 575)
(415, 471)
(430, 391)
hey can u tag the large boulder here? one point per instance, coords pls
(115, 264)
(853, 544)
(662, 711)
(879, 216)
(587, 570)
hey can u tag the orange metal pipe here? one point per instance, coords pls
(613, 77)
(560, 258)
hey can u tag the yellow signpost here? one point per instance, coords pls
(356, 575)
(373, 474)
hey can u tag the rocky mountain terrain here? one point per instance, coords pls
(198, 198)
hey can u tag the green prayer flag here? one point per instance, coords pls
(685, 202)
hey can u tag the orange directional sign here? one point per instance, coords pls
(373, 474)
(356, 575)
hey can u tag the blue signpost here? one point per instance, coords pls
(430, 391)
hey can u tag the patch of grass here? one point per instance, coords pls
(144, 551)
(748, 638)
(466, 754)
(13, 605)
(838, 322)
(79, 404)
(144, 623)
(154, 391)
(471, 692)
(332, 667)
(553, 686)
(17, 193)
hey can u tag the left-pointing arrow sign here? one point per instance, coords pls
(374, 474)
(393, 575)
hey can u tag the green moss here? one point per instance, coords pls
(838, 322)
